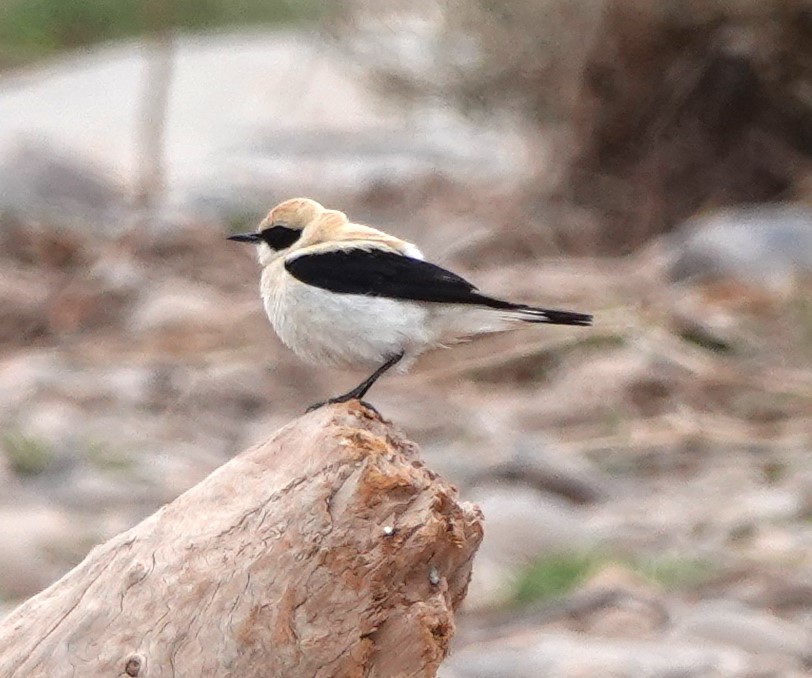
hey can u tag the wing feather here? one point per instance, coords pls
(381, 273)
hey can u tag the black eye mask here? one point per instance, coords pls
(280, 237)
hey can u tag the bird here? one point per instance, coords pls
(345, 295)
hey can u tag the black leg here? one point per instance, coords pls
(361, 390)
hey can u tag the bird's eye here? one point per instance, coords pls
(280, 237)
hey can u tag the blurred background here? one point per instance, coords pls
(647, 483)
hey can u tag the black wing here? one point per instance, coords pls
(382, 274)
(378, 273)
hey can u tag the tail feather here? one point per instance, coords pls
(533, 314)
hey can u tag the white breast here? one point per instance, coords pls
(342, 330)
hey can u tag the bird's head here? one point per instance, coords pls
(282, 228)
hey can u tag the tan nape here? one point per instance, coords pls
(294, 213)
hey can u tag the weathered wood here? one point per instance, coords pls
(329, 550)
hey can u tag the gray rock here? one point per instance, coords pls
(31, 536)
(524, 524)
(562, 655)
(731, 623)
(521, 526)
(48, 182)
(178, 305)
(23, 375)
(278, 112)
(764, 244)
(537, 463)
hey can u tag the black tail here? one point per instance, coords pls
(542, 315)
(532, 314)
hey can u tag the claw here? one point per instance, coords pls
(361, 390)
(343, 399)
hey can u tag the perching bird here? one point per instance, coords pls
(345, 295)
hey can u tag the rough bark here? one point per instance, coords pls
(329, 550)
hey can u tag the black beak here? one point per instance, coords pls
(245, 237)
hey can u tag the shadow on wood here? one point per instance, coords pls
(329, 550)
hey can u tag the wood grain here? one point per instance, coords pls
(329, 550)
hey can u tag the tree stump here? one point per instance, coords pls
(329, 550)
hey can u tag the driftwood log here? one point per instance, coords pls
(329, 550)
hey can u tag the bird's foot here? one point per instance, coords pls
(315, 406)
(371, 407)
(343, 398)
(346, 397)
(361, 390)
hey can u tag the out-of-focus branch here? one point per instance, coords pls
(159, 53)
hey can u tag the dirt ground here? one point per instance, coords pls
(646, 482)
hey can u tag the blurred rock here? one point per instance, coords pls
(731, 623)
(233, 389)
(536, 463)
(128, 384)
(785, 590)
(47, 247)
(560, 655)
(177, 305)
(767, 507)
(117, 273)
(592, 389)
(629, 619)
(522, 525)
(52, 183)
(99, 491)
(278, 113)
(52, 421)
(23, 374)
(635, 608)
(525, 524)
(23, 297)
(30, 536)
(765, 244)
(618, 577)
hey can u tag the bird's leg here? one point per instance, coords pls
(361, 390)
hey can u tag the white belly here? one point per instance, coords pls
(342, 330)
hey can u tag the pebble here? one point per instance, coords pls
(765, 244)
(522, 525)
(731, 623)
(567, 655)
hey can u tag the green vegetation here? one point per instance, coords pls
(705, 339)
(30, 29)
(674, 573)
(557, 574)
(801, 309)
(27, 455)
(105, 458)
